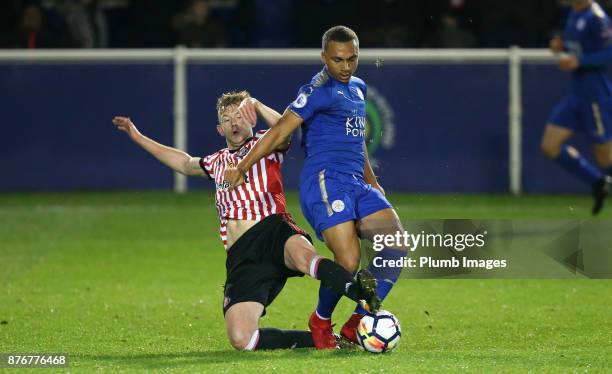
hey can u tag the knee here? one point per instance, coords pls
(349, 263)
(240, 339)
(604, 163)
(301, 261)
(601, 162)
(604, 160)
(304, 262)
(550, 149)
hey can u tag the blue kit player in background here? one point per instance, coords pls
(339, 194)
(588, 108)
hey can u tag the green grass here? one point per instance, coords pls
(132, 281)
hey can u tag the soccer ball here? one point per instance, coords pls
(379, 333)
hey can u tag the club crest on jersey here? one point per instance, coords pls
(301, 100)
(242, 152)
(338, 206)
(581, 24)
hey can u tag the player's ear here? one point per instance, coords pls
(220, 130)
(323, 57)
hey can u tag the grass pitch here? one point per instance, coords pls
(132, 282)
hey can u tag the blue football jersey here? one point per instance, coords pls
(334, 126)
(588, 35)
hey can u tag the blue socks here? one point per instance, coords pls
(328, 299)
(576, 164)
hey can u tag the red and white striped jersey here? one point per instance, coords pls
(260, 196)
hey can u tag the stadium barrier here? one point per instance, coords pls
(445, 120)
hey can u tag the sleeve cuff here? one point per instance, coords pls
(294, 112)
(204, 168)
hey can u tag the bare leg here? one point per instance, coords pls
(242, 320)
(553, 140)
(343, 241)
(603, 156)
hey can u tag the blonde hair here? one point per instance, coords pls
(230, 98)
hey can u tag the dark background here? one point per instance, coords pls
(279, 23)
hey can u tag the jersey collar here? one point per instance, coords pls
(242, 145)
(334, 79)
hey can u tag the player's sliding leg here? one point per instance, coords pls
(383, 222)
(335, 282)
(554, 147)
(242, 321)
(300, 255)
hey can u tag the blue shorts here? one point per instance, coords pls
(594, 118)
(331, 198)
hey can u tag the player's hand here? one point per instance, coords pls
(126, 124)
(234, 176)
(568, 63)
(556, 44)
(248, 110)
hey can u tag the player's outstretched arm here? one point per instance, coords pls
(368, 172)
(175, 159)
(251, 108)
(271, 141)
(268, 114)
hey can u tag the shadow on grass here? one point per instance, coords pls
(170, 360)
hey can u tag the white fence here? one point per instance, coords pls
(514, 57)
